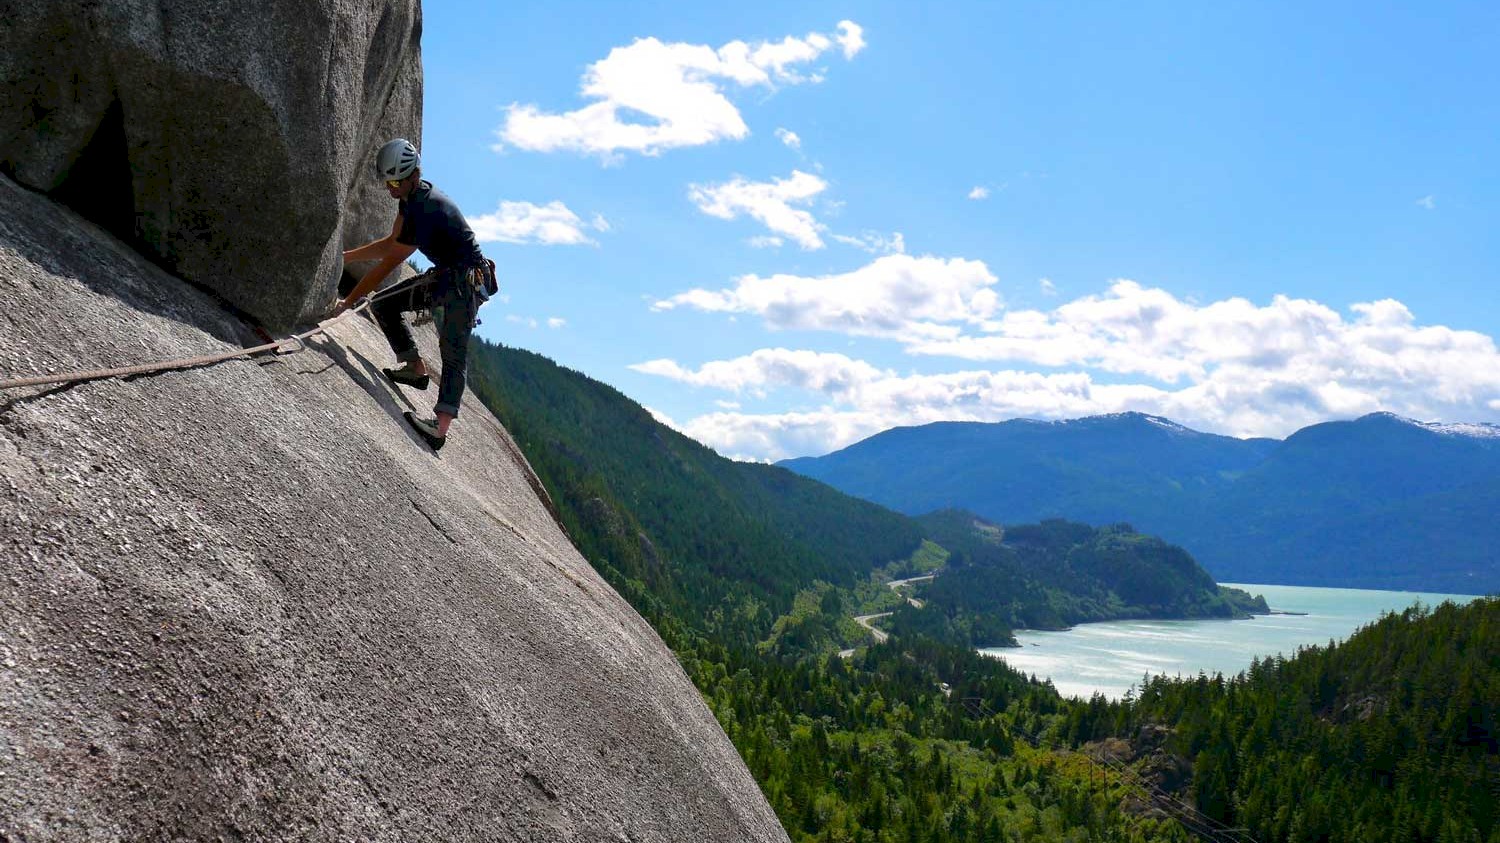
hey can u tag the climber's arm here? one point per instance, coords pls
(388, 251)
(373, 278)
(370, 251)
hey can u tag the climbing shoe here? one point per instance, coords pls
(406, 377)
(427, 429)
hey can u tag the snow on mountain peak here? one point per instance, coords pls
(1476, 430)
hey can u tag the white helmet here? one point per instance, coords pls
(397, 159)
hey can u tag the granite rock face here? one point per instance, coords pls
(233, 141)
(244, 602)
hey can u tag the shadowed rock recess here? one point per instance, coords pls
(243, 602)
(232, 141)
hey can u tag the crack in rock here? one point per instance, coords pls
(433, 521)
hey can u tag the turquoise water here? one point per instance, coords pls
(1112, 656)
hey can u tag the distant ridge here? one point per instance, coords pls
(1380, 501)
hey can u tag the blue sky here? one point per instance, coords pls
(784, 227)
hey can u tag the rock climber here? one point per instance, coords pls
(459, 281)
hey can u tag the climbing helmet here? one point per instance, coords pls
(396, 160)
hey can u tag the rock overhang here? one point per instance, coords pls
(231, 142)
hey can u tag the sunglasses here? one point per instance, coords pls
(393, 184)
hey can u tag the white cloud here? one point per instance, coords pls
(979, 192)
(528, 321)
(911, 299)
(864, 400)
(1428, 202)
(522, 222)
(1048, 288)
(769, 202)
(765, 242)
(1137, 330)
(775, 437)
(851, 37)
(1226, 367)
(876, 243)
(678, 91)
(789, 138)
(663, 418)
(834, 374)
(556, 322)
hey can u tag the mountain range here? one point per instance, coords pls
(685, 532)
(1377, 502)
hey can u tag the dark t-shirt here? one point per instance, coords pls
(431, 222)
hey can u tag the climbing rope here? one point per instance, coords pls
(289, 345)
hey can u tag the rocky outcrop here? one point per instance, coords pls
(243, 602)
(232, 141)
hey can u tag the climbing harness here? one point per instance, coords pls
(289, 345)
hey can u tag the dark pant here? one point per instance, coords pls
(455, 296)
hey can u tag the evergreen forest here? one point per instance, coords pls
(753, 575)
(1055, 574)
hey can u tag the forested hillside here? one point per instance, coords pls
(870, 748)
(1377, 502)
(1099, 470)
(1055, 574)
(1393, 735)
(923, 739)
(669, 522)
